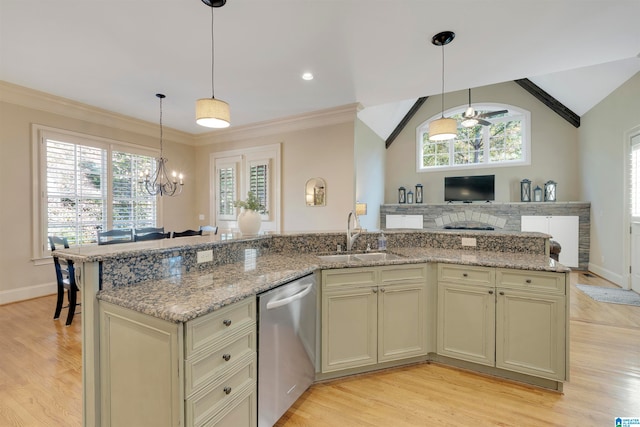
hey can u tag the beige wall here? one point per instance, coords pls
(554, 148)
(324, 151)
(603, 137)
(21, 276)
(369, 157)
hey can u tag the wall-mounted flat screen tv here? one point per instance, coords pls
(469, 188)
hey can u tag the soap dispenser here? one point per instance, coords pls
(382, 242)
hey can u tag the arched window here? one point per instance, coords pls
(503, 142)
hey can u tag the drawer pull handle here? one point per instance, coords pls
(226, 322)
(528, 280)
(226, 357)
(374, 290)
(490, 292)
(501, 293)
(227, 390)
(381, 289)
(464, 275)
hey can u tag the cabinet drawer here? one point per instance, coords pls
(409, 273)
(466, 274)
(207, 366)
(531, 280)
(208, 329)
(214, 398)
(349, 276)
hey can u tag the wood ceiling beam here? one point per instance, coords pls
(548, 100)
(414, 109)
(535, 90)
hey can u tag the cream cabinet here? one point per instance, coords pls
(509, 319)
(372, 315)
(563, 229)
(198, 373)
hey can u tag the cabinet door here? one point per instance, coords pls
(565, 230)
(140, 362)
(562, 229)
(530, 333)
(349, 328)
(466, 322)
(402, 321)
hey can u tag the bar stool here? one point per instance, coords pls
(66, 278)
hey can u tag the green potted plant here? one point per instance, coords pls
(249, 219)
(252, 203)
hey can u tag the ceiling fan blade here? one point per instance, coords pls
(492, 113)
(482, 122)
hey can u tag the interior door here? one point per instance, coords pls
(634, 217)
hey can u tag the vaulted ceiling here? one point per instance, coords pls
(117, 55)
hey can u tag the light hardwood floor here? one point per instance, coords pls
(40, 379)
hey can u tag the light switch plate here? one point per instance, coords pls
(205, 256)
(468, 241)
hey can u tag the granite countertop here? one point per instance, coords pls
(183, 297)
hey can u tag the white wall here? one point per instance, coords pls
(601, 155)
(370, 155)
(554, 149)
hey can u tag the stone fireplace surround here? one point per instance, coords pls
(505, 216)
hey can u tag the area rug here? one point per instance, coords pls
(613, 295)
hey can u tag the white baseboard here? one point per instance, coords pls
(28, 292)
(607, 274)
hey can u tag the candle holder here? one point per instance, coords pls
(402, 195)
(537, 194)
(525, 190)
(550, 191)
(419, 193)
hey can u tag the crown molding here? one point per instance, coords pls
(30, 98)
(331, 116)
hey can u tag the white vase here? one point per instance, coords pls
(249, 222)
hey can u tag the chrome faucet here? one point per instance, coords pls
(351, 238)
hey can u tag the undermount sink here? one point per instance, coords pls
(336, 258)
(369, 256)
(377, 256)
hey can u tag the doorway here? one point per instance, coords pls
(633, 185)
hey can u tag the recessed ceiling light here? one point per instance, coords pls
(307, 76)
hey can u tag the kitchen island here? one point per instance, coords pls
(162, 284)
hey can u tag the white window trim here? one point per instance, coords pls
(41, 254)
(526, 138)
(272, 154)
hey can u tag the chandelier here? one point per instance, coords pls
(159, 183)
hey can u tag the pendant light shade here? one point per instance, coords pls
(443, 129)
(212, 113)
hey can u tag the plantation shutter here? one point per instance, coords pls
(226, 191)
(132, 205)
(259, 181)
(75, 190)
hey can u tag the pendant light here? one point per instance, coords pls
(443, 129)
(212, 112)
(160, 184)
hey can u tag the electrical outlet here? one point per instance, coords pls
(205, 256)
(468, 241)
(201, 217)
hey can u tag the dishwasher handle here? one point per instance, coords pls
(284, 301)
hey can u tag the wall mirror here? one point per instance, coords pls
(315, 192)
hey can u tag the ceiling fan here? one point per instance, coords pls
(472, 118)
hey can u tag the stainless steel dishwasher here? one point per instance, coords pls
(286, 346)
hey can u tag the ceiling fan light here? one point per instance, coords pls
(212, 113)
(443, 129)
(470, 122)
